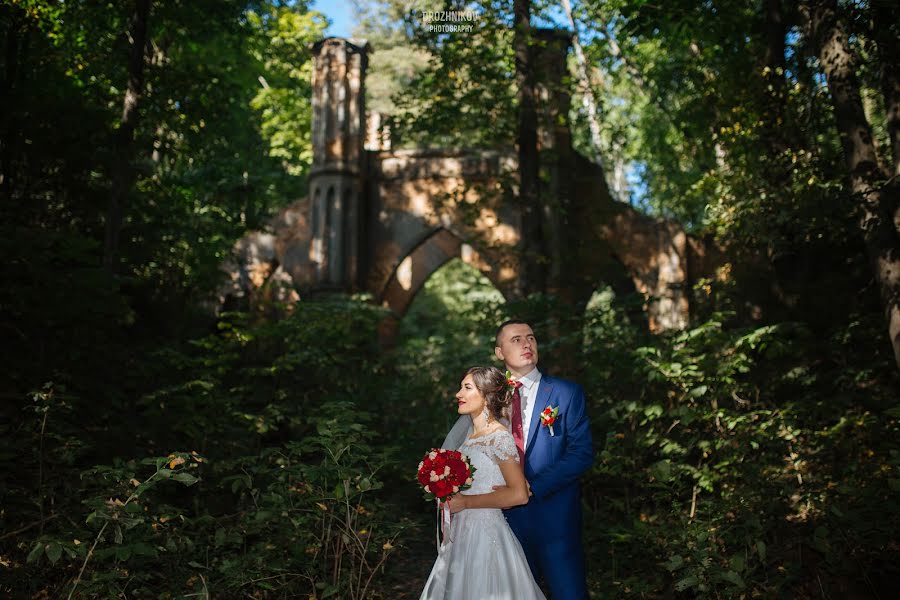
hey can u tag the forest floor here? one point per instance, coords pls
(407, 570)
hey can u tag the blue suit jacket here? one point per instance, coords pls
(553, 464)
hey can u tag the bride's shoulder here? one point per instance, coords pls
(504, 446)
(503, 433)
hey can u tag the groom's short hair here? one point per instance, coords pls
(503, 326)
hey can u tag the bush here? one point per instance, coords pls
(279, 492)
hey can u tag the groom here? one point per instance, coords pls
(549, 525)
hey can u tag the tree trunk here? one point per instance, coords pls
(829, 37)
(123, 144)
(533, 259)
(885, 31)
(17, 37)
(774, 66)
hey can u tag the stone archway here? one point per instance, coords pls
(382, 220)
(427, 257)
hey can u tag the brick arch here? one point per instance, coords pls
(382, 220)
(433, 252)
(617, 277)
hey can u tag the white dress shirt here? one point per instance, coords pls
(528, 393)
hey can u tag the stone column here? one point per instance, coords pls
(338, 169)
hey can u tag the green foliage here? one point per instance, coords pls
(720, 458)
(283, 482)
(724, 132)
(285, 36)
(468, 82)
(153, 450)
(396, 60)
(222, 133)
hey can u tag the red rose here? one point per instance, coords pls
(441, 489)
(458, 473)
(423, 477)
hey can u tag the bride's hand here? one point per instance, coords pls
(457, 503)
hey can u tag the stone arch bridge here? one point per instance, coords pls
(382, 221)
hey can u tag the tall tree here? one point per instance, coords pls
(886, 32)
(123, 146)
(828, 34)
(526, 141)
(774, 67)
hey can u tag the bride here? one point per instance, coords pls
(482, 558)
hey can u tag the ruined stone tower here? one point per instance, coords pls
(337, 174)
(382, 219)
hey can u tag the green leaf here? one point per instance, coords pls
(698, 391)
(123, 553)
(142, 549)
(653, 411)
(761, 550)
(54, 552)
(263, 515)
(686, 583)
(662, 470)
(674, 563)
(732, 577)
(185, 478)
(35, 553)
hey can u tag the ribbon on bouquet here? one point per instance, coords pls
(443, 524)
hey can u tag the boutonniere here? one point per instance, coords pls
(549, 416)
(511, 384)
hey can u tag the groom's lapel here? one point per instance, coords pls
(541, 401)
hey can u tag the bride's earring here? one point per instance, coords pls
(487, 415)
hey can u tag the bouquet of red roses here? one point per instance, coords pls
(443, 473)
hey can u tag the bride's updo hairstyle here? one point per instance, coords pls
(491, 382)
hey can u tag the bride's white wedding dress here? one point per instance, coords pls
(483, 560)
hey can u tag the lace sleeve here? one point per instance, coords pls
(504, 447)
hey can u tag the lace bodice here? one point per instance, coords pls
(486, 452)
